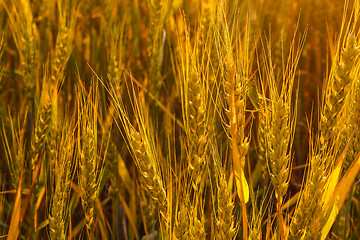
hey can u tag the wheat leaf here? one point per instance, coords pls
(15, 218)
(340, 194)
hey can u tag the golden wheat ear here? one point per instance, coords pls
(141, 144)
(64, 40)
(91, 167)
(224, 213)
(64, 165)
(155, 41)
(26, 37)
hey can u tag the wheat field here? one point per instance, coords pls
(179, 119)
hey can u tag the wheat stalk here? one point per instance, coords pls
(148, 210)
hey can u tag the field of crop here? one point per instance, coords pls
(179, 119)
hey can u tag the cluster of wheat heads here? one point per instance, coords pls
(183, 119)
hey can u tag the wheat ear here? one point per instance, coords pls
(90, 167)
(188, 225)
(225, 220)
(141, 145)
(38, 142)
(278, 153)
(337, 89)
(155, 40)
(234, 106)
(148, 170)
(26, 38)
(64, 39)
(62, 176)
(14, 154)
(235, 110)
(310, 197)
(334, 99)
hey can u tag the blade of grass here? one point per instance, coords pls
(340, 194)
(15, 218)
